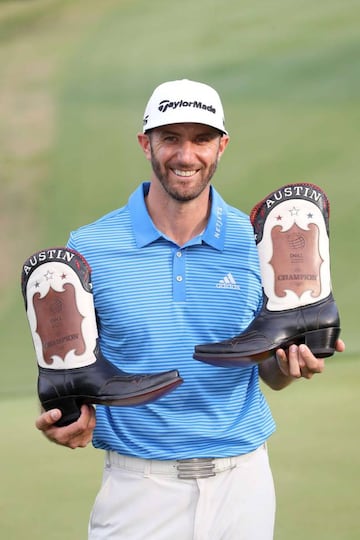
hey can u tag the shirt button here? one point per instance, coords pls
(179, 278)
(178, 253)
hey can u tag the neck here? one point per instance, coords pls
(180, 221)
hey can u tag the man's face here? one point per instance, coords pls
(184, 157)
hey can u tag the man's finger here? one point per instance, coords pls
(282, 361)
(48, 419)
(294, 365)
(309, 361)
(340, 345)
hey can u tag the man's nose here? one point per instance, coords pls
(186, 151)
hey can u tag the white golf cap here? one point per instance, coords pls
(176, 102)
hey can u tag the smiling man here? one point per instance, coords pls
(184, 158)
(184, 138)
(174, 267)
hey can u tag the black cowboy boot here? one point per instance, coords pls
(292, 235)
(57, 290)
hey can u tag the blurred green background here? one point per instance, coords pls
(74, 80)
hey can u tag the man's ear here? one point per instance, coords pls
(224, 141)
(144, 142)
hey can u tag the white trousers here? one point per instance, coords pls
(145, 500)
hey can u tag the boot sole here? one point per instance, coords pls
(70, 405)
(320, 342)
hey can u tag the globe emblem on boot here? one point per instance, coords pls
(296, 241)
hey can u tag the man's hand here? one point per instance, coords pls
(300, 362)
(76, 435)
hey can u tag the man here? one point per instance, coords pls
(193, 464)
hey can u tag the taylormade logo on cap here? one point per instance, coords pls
(163, 106)
(177, 102)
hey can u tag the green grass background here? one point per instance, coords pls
(74, 80)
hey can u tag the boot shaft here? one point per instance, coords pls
(56, 286)
(291, 228)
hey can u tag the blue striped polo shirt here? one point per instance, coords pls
(155, 301)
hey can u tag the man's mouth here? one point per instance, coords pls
(184, 174)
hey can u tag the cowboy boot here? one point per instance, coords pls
(57, 290)
(292, 235)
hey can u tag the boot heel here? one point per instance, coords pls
(322, 342)
(69, 407)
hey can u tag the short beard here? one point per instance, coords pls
(174, 194)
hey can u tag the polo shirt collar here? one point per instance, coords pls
(145, 231)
